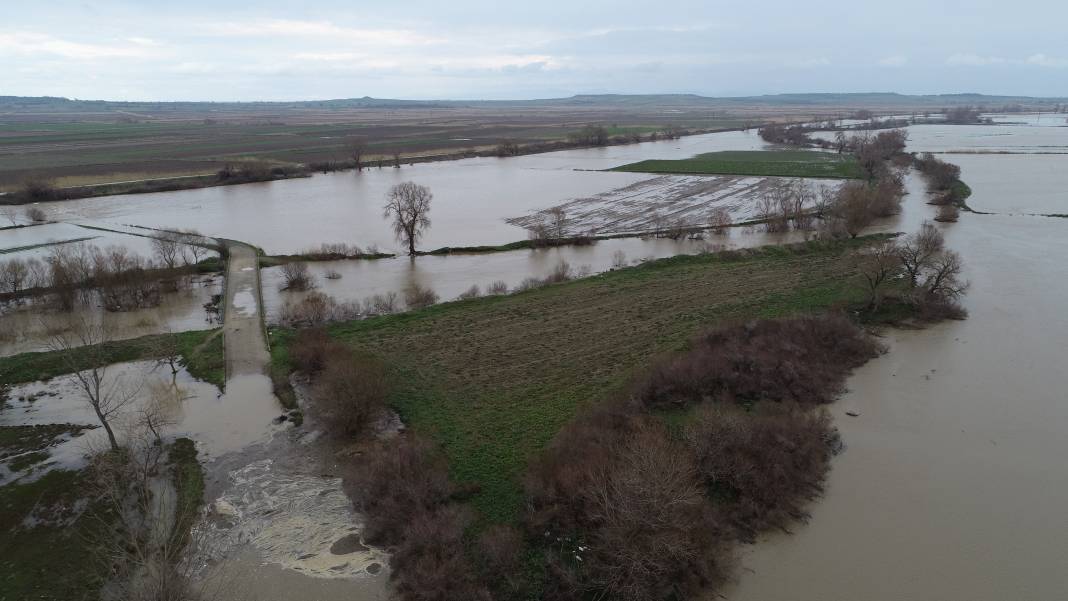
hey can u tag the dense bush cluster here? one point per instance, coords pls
(803, 360)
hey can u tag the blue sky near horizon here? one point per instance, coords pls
(274, 50)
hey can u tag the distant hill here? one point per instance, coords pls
(50, 104)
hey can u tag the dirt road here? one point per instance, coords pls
(246, 345)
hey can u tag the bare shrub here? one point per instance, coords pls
(853, 207)
(419, 297)
(562, 272)
(619, 259)
(801, 359)
(948, 213)
(763, 465)
(500, 549)
(886, 195)
(317, 309)
(498, 287)
(36, 214)
(940, 175)
(621, 511)
(295, 276)
(352, 389)
(382, 304)
(397, 480)
(720, 220)
(431, 558)
(529, 283)
(472, 292)
(337, 250)
(310, 349)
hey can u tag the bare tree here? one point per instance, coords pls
(943, 279)
(557, 222)
(357, 151)
(853, 207)
(83, 347)
(167, 250)
(193, 242)
(13, 275)
(396, 160)
(408, 204)
(917, 251)
(11, 213)
(877, 265)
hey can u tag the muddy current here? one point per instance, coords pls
(953, 484)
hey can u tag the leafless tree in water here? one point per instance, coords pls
(83, 347)
(409, 204)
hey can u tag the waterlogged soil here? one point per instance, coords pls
(952, 485)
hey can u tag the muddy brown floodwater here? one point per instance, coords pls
(953, 483)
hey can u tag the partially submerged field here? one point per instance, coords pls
(660, 203)
(493, 379)
(777, 163)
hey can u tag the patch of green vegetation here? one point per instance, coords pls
(280, 369)
(22, 447)
(779, 163)
(23, 462)
(493, 379)
(202, 352)
(960, 190)
(45, 539)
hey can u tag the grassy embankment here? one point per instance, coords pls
(778, 163)
(493, 379)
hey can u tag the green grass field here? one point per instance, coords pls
(493, 379)
(780, 163)
(202, 353)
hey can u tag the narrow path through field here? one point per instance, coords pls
(244, 340)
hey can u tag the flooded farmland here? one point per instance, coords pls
(958, 426)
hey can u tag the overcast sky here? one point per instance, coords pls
(295, 50)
